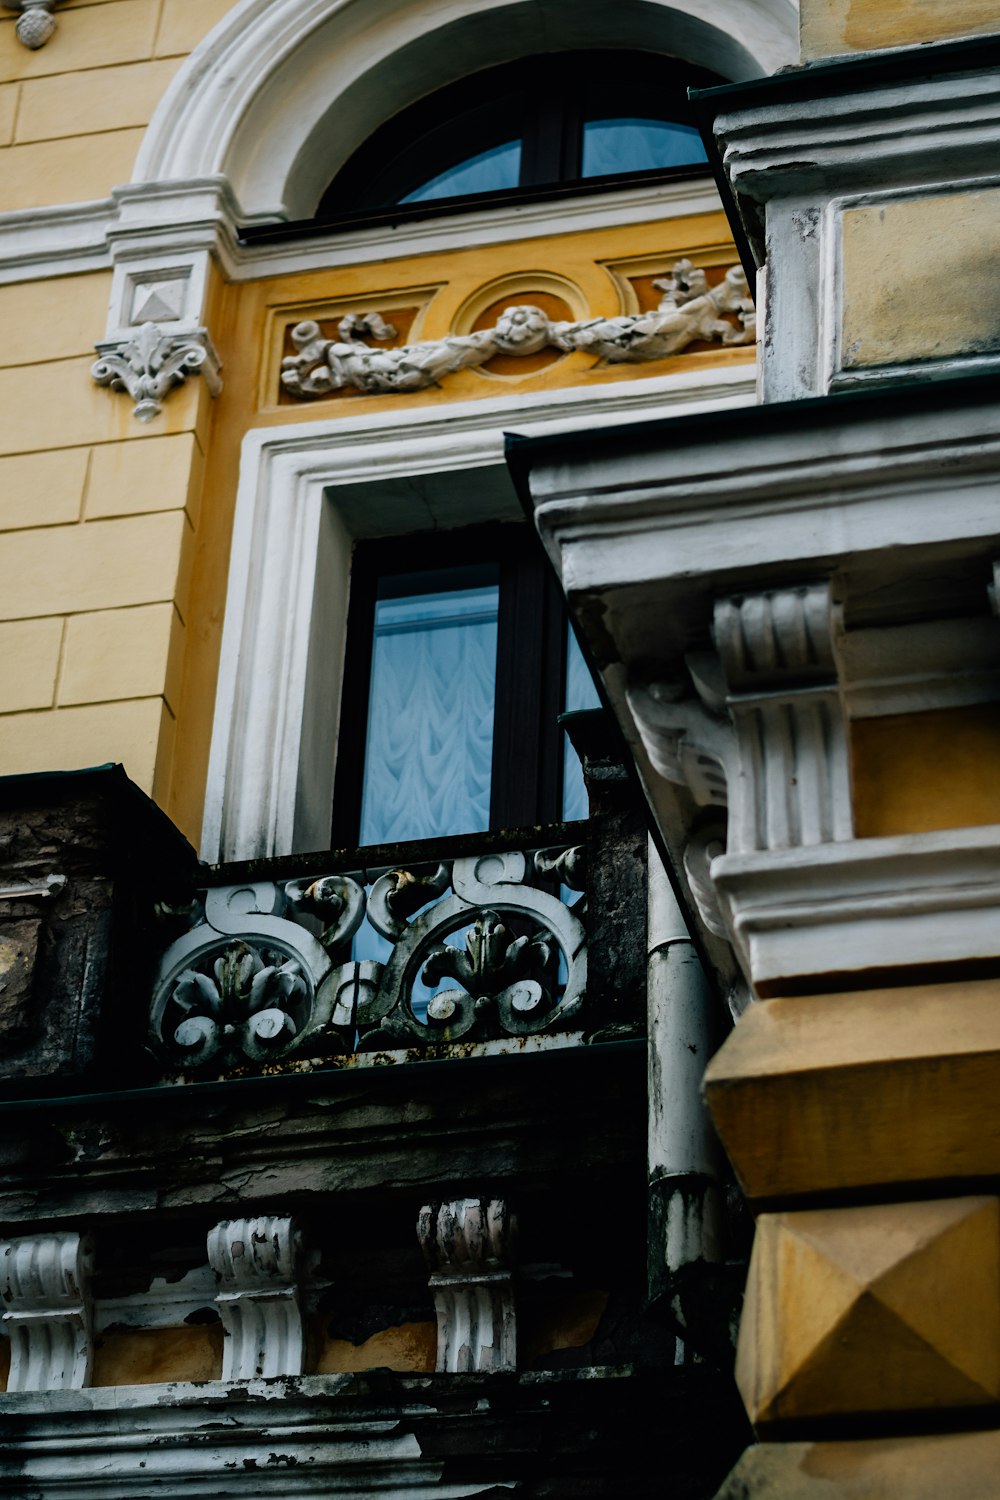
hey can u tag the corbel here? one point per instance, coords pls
(256, 1265)
(48, 1311)
(469, 1244)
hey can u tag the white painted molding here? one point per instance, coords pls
(256, 1263)
(48, 1311)
(469, 1245)
(304, 492)
(281, 92)
(288, 1438)
(36, 23)
(805, 919)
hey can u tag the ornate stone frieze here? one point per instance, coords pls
(36, 23)
(689, 310)
(48, 1311)
(266, 971)
(256, 1263)
(469, 1245)
(150, 362)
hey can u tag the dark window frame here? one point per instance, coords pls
(526, 778)
(546, 98)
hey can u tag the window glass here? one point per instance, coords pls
(637, 145)
(580, 694)
(488, 172)
(429, 743)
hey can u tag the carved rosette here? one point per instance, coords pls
(690, 310)
(469, 1246)
(151, 362)
(265, 973)
(48, 1311)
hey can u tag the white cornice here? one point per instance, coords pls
(810, 919)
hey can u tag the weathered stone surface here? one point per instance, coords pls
(18, 959)
(961, 1466)
(72, 954)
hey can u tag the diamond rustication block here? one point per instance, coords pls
(885, 1309)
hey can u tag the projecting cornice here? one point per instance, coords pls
(749, 584)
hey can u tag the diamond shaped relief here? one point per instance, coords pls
(889, 1308)
(159, 301)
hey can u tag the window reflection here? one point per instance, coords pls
(580, 694)
(487, 172)
(635, 145)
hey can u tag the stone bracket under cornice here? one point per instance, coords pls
(749, 584)
(36, 23)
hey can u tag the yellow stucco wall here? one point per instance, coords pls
(72, 113)
(831, 28)
(917, 772)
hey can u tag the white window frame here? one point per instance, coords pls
(306, 492)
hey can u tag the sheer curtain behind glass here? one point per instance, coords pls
(429, 749)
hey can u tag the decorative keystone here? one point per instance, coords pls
(48, 1317)
(151, 362)
(469, 1246)
(891, 1309)
(36, 23)
(256, 1265)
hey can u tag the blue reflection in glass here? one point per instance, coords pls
(638, 146)
(489, 172)
(429, 747)
(580, 694)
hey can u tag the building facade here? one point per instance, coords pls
(352, 1125)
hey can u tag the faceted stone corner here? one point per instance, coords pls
(875, 1310)
(961, 1466)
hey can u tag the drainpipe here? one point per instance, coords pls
(685, 1193)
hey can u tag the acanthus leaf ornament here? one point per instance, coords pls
(150, 362)
(36, 23)
(264, 973)
(689, 310)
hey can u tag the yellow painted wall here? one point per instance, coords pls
(916, 772)
(72, 113)
(830, 28)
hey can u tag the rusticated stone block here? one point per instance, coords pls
(956, 1465)
(888, 1308)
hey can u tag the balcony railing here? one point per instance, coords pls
(479, 942)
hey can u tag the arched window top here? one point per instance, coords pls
(555, 118)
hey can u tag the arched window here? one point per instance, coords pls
(562, 117)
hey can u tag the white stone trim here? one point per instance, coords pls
(48, 1310)
(469, 1245)
(197, 1439)
(805, 917)
(281, 92)
(270, 777)
(256, 1263)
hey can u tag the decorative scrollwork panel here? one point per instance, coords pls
(479, 947)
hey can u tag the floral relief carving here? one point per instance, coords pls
(265, 971)
(690, 310)
(150, 363)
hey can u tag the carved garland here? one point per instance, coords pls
(689, 310)
(265, 971)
